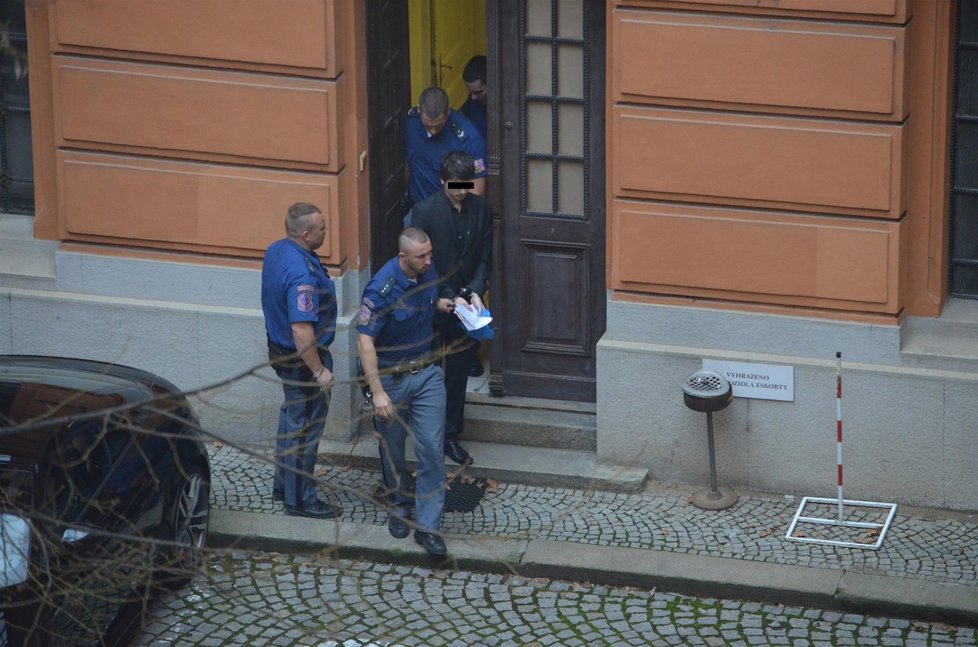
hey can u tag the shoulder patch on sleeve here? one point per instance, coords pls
(480, 165)
(363, 316)
(303, 301)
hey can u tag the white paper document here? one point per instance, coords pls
(471, 319)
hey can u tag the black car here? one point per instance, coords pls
(104, 488)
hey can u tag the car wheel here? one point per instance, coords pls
(188, 530)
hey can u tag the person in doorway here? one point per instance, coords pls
(431, 131)
(474, 77)
(395, 326)
(298, 300)
(460, 227)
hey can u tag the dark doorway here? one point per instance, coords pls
(547, 59)
(963, 256)
(388, 95)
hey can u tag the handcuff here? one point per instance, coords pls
(465, 293)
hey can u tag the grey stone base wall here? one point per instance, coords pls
(199, 326)
(909, 432)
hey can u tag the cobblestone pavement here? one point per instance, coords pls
(277, 599)
(939, 549)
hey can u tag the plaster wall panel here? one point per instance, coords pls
(960, 458)
(183, 112)
(768, 65)
(178, 205)
(842, 263)
(892, 418)
(298, 33)
(810, 165)
(873, 10)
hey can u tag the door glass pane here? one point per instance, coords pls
(539, 186)
(966, 155)
(17, 183)
(570, 71)
(968, 84)
(965, 244)
(570, 133)
(539, 127)
(538, 18)
(570, 19)
(538, 69)
(570, 187)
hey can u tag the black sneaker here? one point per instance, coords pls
(431, 542)
(397, 526)
(317, 510)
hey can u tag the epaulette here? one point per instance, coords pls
(309, 265)
(385, 289)
(457, 130)
(414, 112)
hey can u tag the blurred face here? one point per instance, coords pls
(477, 90)
(415, 259)
(315, 233)
(455, 195)
(434, 125)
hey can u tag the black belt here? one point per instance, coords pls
(405, 366)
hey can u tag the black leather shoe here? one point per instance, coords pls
(317, 510)
(397, 526)
(278, 496)
(456, 452)
(432, 543)
(475, 367)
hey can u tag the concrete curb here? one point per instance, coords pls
(683, 573)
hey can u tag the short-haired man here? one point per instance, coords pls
(432, 130)
(395, 326)
(298, 300)
(460, 226)
(474, 77)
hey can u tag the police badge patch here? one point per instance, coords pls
(363, 317)
(303, 300)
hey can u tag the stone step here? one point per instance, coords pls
(948, 342)
(20, 254)
(540, 466)
(525, 421)
(528, 423)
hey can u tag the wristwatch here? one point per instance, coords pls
(466, 293)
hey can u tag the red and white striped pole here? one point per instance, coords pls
(838, 424)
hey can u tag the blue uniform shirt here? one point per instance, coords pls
(399, 313)
(475, 111)
(296, 288)
(424, 152)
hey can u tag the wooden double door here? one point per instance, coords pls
(546, 182)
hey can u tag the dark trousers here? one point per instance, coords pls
(458, 348)
(302, 417)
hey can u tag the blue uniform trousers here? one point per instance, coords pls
(419, 401)
(300, 426)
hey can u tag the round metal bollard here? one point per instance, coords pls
(707, 391)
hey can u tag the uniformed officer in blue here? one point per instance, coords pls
(395, 326)
(298, 300)
(432, 130)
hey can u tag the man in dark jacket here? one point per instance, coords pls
(460, 227)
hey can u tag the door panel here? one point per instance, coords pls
(458, 34)
(549, 279)
(388, 89)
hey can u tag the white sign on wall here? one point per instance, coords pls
(761, 381)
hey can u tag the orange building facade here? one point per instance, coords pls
(769, 185)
